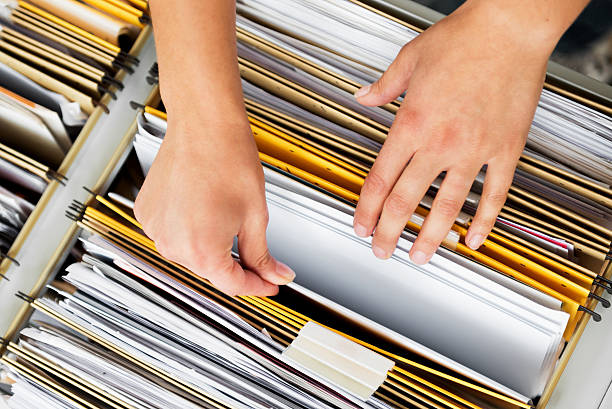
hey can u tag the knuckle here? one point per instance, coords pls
(385, 242)
(497, 199)
(448, 207)
(407, 118)
(261, 261)
(379, 86)
(138, 209)
(375, 183)
(366, 217)
(398, 205)
(383, 235)
(484, 224)
(449, 131)
(261, 218)
(148, 230)
(428, 242)
(442, 137)
(405, 48)
(256, 218)
(405, 58)
(164, 248)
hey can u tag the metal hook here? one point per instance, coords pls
(605, 303)
(598, 284)
(596, 316)
(4, 255)
(24, 296)
(136, 105)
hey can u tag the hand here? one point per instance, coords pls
(205, 187)
(472, 84)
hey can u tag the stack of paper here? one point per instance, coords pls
(124, 327)
(57, 60)
(22, 181)
(157, 321)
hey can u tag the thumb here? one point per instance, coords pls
(256, 257)
(392, 83)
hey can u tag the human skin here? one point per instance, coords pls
(472, 83)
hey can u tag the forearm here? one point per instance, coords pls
(196, 48)
(209, 157)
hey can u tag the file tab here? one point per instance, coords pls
(339, 360)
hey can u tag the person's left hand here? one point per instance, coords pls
(472, 84)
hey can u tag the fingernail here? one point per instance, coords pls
(361, 230)
(363, 91)
(420, 257)
(283, 271)
(475, 241)
(380, 253)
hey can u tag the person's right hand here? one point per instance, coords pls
(205, 187)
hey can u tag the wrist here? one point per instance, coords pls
(206, 131)
(533, 25)
(199, 107)
(203, 99)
